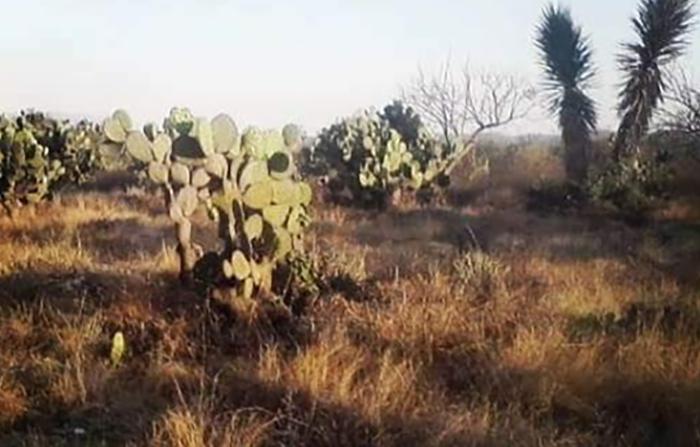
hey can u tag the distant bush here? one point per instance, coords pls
(366, 159)
(633, 185)
(556, 196)
(40, 155)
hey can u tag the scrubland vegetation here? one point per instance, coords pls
(562, 330)
(396, 279)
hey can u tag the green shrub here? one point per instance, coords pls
(40, 155)
(631, 185)
(368, 157)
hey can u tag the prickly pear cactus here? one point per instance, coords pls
(246, 183)
(39, 155)
(366, 160)
(73, 145)
(26, 171)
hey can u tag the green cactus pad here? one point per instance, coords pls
(276, 215)
(158, 172)
(161, 147)
(284, 192)
(187, 199)
(283, 243)
(204, 135)
(253, 227)
(253, 172)
(139, 147)
(261, 144)
(200, 178)
(240, 265)
(227, 268)
(123, 118)
(248, 288)
(258, 195)
(225, 134)
(114, 131)
(223, 201)
(251, 141)
(216, 165)
(180, 174)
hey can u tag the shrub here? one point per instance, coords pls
(631, 185)
(367, 158)
(40, 155)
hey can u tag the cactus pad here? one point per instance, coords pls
(258, 195)
(180, 174)
(225, 134)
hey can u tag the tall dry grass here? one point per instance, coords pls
(552, 335)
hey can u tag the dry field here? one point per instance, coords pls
(562, 331)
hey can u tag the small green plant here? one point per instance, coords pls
(118, 348)
(480, 273)
(247, 184)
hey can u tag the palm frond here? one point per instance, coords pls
(565, 55)
(566, 58)
(661, 27)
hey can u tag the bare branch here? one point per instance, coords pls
(461, 110)
(680, 117)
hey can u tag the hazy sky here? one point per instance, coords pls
(272, 62)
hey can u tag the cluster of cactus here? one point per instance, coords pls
(246, 183)
(365, 159)
(73, 145)
(38, 155)
(632, 184)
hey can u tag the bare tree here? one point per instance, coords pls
(680, 117)
(460, 105)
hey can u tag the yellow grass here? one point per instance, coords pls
(552, 335)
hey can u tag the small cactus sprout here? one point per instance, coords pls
(246, 183)
(118, 348)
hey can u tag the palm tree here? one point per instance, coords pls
(661, 27)
(566, 59)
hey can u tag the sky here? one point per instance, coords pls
(267, 63)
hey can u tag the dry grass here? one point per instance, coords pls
(564, 332)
